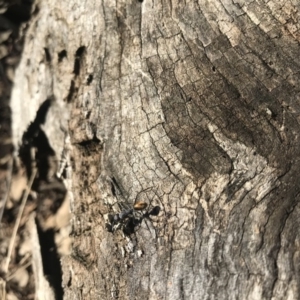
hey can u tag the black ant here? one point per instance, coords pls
(127, 219)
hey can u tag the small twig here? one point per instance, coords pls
(17, 224)
(23, 264)
(16, 227)
(11, 276)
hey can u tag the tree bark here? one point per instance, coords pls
(191, 106)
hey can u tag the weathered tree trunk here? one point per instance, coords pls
(192, 106)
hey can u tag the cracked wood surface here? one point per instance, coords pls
(192, 106)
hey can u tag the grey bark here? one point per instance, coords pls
(192, 106)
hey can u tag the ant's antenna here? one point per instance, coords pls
(144, 190)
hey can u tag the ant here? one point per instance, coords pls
(127, 219)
